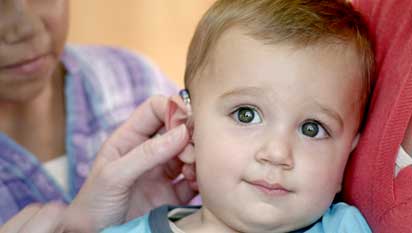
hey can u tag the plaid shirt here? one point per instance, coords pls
(103, 86)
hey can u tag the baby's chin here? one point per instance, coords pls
(262, 220)
(265, 225)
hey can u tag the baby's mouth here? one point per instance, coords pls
(271, 189)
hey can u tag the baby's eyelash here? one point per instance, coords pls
(237, 107)
(324, 127)
(246, 115)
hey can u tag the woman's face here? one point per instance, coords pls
(32, 38)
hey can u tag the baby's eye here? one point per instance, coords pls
(247, 115)
(313, 129)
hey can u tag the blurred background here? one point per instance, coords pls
(159, 29)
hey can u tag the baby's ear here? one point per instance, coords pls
(355, 142)
(176, 112)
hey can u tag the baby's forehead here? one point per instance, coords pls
(239, 39)
(240, 61)
(237, 46)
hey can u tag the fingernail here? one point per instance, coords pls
(178, 133)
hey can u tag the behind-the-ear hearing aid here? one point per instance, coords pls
(184, 94)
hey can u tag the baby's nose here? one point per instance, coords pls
(276, 151)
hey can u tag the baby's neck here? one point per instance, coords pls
(202, 221)
(195, 223)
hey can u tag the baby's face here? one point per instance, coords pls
(273, 129)
(32, 37)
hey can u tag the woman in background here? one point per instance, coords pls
(58, 103)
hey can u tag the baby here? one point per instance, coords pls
(278, 91)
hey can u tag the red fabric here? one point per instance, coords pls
(369, 182)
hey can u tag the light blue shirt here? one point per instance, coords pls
(339, 218)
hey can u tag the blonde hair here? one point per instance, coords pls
(301, 22)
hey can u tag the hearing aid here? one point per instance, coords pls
(185, 95)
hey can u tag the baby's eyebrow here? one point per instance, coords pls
(248, 91)
(331, 113)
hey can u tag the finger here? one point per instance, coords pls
(145, 121)
(15, 224)
(193, 185)
(187, 155)
(173, 168)
(188, 171)
(46, 220)
(150, 154)
(184, 192)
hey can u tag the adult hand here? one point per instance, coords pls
(133, 172)
(36, 218)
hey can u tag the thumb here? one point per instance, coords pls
(153, 152)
